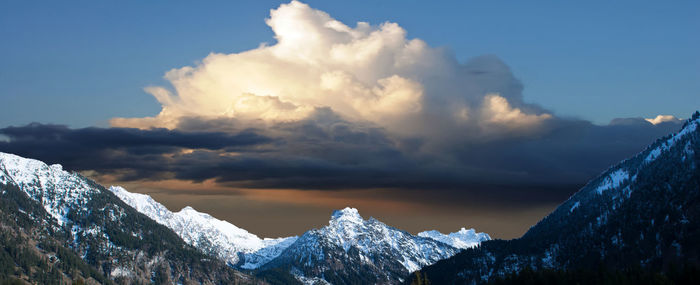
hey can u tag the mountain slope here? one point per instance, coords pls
(52, 211)
(642, 212)
(352, 250)
(32, 251)
(210, 235)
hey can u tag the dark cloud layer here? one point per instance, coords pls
(327, 153)
(135, 153)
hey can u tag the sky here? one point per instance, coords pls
(270, 114)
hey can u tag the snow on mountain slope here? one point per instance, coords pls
(54, 188)
(612, 181)
(208, 234)
(272, 247)
(664, 146)
(347, 229)
(365, 251)
(619, 178)
(464, 238)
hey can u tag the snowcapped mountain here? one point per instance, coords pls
(57, 190)
(354, 250)
(464, 238)
(210, 235)
(349, 241)
(92, 233)
(131, 237)
(642, 212)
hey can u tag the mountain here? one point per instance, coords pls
(352, 250)
(464, 238)
(349, 249)
(59, 227)
(641, 213)
(212, 236)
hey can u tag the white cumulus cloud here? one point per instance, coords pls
(368, 73)
(497, 110)
(662, 119)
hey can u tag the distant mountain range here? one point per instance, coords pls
(118, 236)
(349, 249)
(641, 213)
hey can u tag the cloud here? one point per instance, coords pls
(497, 110)
(325, 152)
(366, 73)
(662, 119)
(131, 153)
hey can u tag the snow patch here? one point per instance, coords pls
(665, 146)
(307, 280)
(574, 206)
(121, 272)
(272, 248)
(613, 180)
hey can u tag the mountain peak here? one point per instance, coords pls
(368, 250)
(189, 209)
(350, 214)
(53, 187)
(464, 231)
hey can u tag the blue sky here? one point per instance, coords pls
(83, 62)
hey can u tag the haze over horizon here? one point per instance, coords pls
(272, 118)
